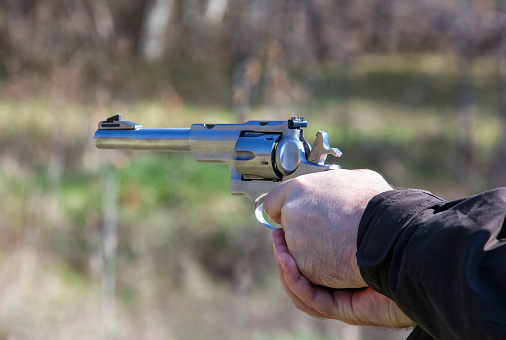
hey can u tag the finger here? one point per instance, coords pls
(301, 304)
(352, 306)
(279, 243)
(274, 201)
(314, 297)
(278, 237)
(295, 300)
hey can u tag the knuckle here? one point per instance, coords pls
(298, 183)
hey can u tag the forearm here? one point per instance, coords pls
(439, 261)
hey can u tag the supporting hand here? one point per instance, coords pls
(352, 306)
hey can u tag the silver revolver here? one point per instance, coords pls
(260, 154)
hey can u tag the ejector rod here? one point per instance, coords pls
(144, 139)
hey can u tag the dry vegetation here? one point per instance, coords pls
(413, 91)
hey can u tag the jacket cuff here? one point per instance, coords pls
(383, 220)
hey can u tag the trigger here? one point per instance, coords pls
(259, 212)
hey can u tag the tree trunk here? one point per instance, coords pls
(154, 31)
(109, 241)
(465, 94)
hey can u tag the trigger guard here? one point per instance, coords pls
(259, 212)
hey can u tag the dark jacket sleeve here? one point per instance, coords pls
(443, 263)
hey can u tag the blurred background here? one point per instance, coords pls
(143, 245)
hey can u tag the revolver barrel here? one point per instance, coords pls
(115, 133)
(144, 139)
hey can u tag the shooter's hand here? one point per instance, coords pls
(320, 214)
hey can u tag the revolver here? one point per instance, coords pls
(260, 154)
